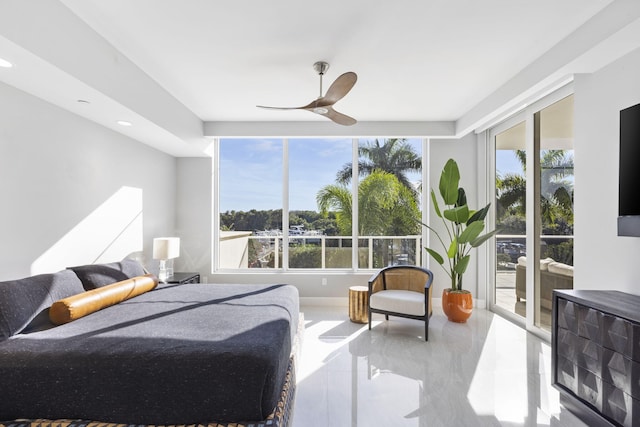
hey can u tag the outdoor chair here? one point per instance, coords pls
(403, 291)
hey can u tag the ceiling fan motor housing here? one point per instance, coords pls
(321, 67)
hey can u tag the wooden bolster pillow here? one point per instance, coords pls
(77, 306)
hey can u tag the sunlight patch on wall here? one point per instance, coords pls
(109, 233)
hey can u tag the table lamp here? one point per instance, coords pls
(164, 249)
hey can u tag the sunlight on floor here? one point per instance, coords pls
(487, 372)
(497, 369)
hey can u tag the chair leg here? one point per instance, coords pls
(369, 316)
(386, 317)
(426, 320)
(426, 328)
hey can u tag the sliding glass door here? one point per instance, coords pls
(553, 139)
(533, 164)
(511, 217)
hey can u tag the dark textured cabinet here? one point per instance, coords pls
(596, 355)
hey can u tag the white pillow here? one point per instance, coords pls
(544, 263)
(560, 268)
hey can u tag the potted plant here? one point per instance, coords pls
(464, 227)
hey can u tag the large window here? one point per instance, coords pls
(299, 203)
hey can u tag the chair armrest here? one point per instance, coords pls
(376, 282)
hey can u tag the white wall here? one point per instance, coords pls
(603, 260)
(234, 249)
(194, 214)
(73, 192)
(464, 151)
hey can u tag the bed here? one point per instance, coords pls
(210, 354)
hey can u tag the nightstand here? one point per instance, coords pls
(183, 278)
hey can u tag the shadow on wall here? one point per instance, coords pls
(109, 233)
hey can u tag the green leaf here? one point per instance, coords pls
(459, 215)
(449, 179)
(453, 248)
(472, 231)
(479, 215)
(435, 204)
(435, 256)
(480, 240)
(462, 197)
(461, 266)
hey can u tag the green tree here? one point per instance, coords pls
(327, 226)
(337, 199)
(252, 220)
(511, 195)
(385, 206)
(556, 191)
(395, 156)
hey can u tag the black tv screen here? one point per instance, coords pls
(629, 178)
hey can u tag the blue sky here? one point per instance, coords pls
(507, 162)
(251, 171)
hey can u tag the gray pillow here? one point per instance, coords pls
(95, 276)
(21, 301)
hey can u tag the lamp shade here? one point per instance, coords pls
(166, 247)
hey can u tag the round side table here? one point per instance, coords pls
(359, 304)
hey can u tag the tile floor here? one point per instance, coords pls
(487, 372)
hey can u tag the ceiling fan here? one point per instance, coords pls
(323, 105)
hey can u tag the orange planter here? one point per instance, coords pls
(457, 306)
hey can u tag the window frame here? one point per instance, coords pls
(424, 204)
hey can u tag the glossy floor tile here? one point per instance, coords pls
(487, 372)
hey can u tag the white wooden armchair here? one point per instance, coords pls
(404, 291)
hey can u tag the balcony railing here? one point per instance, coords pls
(318, 251)
(510, 247)
(244, 251)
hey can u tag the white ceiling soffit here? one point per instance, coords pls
(183, 70)
(60, 59)
(609, 35)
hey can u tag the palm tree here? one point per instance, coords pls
(385, 206)
(337, 198)
(394, 156)
(556, 192)
(511, 195)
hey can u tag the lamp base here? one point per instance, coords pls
(164, 272)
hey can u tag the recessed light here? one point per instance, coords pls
(5, 64)
(124, 123)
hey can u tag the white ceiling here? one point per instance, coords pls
(444, 63)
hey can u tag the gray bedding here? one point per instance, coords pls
(176, 355)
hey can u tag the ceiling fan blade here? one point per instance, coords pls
(340, 87)
(339, 118)
(323, 105)
(281, 108)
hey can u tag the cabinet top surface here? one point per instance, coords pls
(614, 302)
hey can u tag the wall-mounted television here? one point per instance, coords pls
(629, 177)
